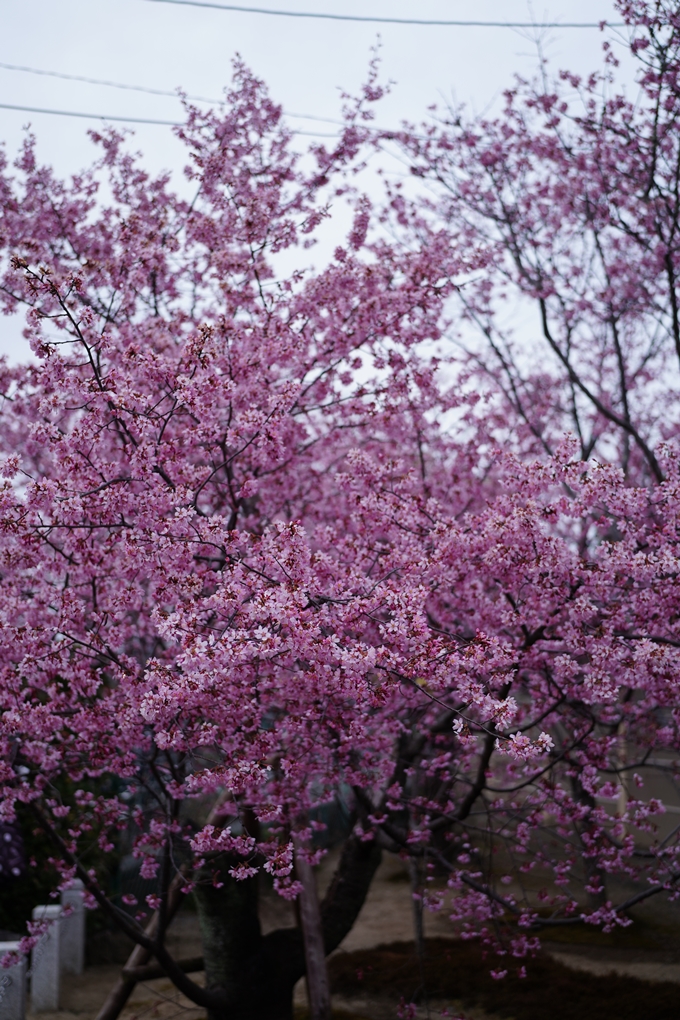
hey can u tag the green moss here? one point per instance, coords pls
(585, 935)
(642, 934)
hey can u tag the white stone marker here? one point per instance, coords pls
(45, 962)
(72, 933)
(12, 985)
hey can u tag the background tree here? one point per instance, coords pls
(246, 556)
(574, 193)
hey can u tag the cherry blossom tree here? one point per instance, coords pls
(262, 543)
(573, 192)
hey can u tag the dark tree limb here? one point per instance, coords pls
(139, 957)
(153, 970)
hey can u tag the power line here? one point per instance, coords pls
(101, 81)
(388, 21)
(131, 120)
(145, 88)
(88, 116)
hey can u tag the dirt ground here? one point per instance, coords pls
(385, 918)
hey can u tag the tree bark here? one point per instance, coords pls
(312, 932)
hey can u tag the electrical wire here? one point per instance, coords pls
(102, 81)
(249, 10)
(132, 120)
(145, 88)
(388, 21)
(89, 116)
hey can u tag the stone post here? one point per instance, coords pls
(45, 962)
(12, 985)
(72, 933)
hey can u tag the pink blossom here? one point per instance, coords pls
(273, 532)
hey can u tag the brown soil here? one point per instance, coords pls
(457, 970)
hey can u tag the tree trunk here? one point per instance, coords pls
(312, 932)
(258, 973)
(232, 940)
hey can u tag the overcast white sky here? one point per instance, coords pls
(305, 62)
